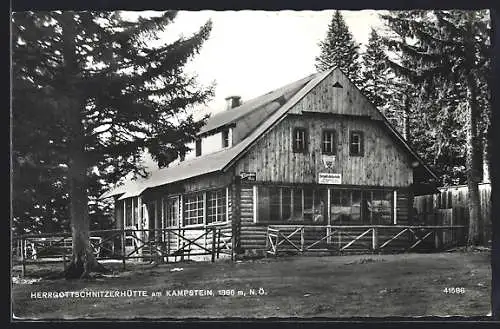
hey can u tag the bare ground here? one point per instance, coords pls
(406, 285)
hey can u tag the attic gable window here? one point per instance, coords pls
(328, 142)
(198, 147)
(225, 138)
(299, 140)
(356, 143)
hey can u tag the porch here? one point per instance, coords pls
(338, 239)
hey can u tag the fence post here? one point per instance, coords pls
(64, 260)
(218, 242)
(214, 233)
(302, 239)
(436, 239)
(23, 261)
(374, 238)
(124, 240)
(167, 233)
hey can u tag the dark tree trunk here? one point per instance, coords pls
(474, 170)
(494, 161)
(83, 260)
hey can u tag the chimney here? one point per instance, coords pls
(232, 102)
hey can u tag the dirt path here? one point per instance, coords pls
(341, 286)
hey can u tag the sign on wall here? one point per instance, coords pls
(328, 160)
(329, 178)
(248, 176)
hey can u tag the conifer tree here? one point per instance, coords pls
(380, 85)
(339, 49)
(450, 55)
(92, 91)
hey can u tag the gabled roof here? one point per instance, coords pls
(224, 159)
(230, 116)
(218, 161)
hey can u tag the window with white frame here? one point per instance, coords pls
(193, 209)
(216, 206)
(328, 142)
(171, 211)
(356, 143)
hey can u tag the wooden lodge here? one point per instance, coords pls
(314, 153)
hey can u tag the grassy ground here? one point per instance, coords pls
(334, 286)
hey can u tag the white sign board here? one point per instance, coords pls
(329, 178)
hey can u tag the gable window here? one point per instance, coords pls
(356, 146)
(198, 147)
(328, 142)
(299, 140)
(225, 138)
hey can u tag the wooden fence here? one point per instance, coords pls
(158, 245)
(450, 207)
(362, 238)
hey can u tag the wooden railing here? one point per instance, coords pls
(373, 238)
(154, 245)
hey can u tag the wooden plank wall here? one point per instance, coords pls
(455, 198)
(383, 164)
(326, 98)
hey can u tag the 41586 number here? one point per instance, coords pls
(454, 290)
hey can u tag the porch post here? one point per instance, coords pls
(328, 228)
(374, 238)
(395, 208)
(235, 223)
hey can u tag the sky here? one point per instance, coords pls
(250, 53)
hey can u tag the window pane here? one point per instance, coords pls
(320, 205)
(299, 139)
(263, 204)
(328, 142)
(128, 212)
(211, 207)
(340, 206)
(172, 211)
(193, 209)
(382, 207)
(119, 213)
(297, 205)
(356, 206)
(274, 195)
(308, 204)
(286, 203)
(367, 201)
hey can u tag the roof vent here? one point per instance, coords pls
(337, 85)
(232, 102)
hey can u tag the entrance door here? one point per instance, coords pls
(172, 221)
(172, 212)
(148, 218)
